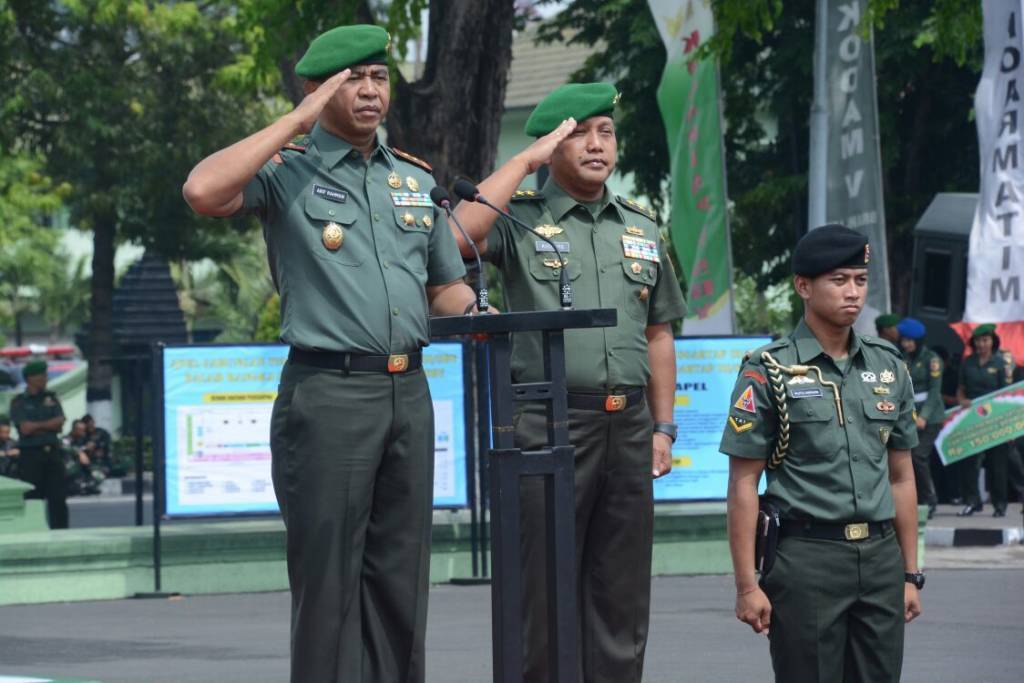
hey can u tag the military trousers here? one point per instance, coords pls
(922, 459)
(353, 462)
(997, 474)
(968, 471)
(837, 610)
(614, 530)
(43, 467)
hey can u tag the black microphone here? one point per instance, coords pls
(439, 196)
(469, 192)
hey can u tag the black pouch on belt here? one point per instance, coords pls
(767, 536)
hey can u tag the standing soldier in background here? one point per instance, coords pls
(885, 326)
(829, 412)
(926, 369)
(38, 415)
(357, 259)
(621, 380)
(982, 372)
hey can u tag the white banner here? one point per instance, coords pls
(845, 178)
(996, 262)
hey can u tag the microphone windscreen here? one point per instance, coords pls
(439, 196)
(465, 190)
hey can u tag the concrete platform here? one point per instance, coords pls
(946, 529)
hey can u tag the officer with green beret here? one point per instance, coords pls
(926, 369)
(621, 380)
(982, 372)
(359, 261)
(829, 412)
(885, 326)
(38, 416)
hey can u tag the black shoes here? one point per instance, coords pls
(931, 510)
(999, 512)
(969, 510)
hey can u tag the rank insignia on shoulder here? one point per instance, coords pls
(746, 401)
(868, 377)
(755, 375)
(520, 195)
(548, 231)
(635, 206)
(740, 424)
(883, 435)
(887, 376)
(414, 160)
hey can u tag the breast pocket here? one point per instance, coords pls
(640, 278)
(881, 415)
(322, 235)
(814, 430)
(545, 267)
(413, 235)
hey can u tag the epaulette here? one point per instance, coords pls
(413, 160)
(526, 196)
(755, 355)
(639, 208)
(288, 147)
(294, 148)
(878, 341)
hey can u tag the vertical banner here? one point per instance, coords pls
(689, 103)
(995, 262)
(845, 175)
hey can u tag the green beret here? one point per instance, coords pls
(830, 247)
(987, 328)
(887, 320)
(34, 368)
(578, 100)
(343, 47)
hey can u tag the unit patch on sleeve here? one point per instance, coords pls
(746, 401)
(740, 424)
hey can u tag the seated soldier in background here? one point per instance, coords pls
(8, 451)
(102, 451)
(84, 476)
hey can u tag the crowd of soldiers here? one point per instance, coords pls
(57, 465)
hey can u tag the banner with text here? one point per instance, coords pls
(706, 370)
(217, 402)
(992, 419)
(845, 178)
(689, 102)
(995, 263)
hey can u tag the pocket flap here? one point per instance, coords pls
(324, 210)
(641, 272)
(811, 410)
(881, 409)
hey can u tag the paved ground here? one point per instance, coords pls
(971, 631)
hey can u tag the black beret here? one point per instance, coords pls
(829, 247)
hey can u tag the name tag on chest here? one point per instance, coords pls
(542, 246)
(640, 248)
(330, 194)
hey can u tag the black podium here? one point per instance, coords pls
(508, 463)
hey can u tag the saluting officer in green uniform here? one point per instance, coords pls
(621, 380)
(38, 415)
(830, 412)
(357, 258)
(925, 368)
(982, 372)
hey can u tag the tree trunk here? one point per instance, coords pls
(451, 117)
(101, 308)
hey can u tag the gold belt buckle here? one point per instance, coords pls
(856, 532)
(614, 403)
(398, 362)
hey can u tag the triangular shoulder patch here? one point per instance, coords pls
(635, 206)
(413, 160)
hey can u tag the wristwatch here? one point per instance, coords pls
(667, 428)
(916, 578)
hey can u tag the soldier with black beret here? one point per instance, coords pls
(829, 412)
(621, 380)
(358, 259)
(39, 418)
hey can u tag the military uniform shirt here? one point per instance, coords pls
(367, 296)
(978, 380)
(36, 408)
(832, 472)
(926, 375)
(615, 260)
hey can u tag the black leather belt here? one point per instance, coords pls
(609, 403)
(833, 531)
(356, 362)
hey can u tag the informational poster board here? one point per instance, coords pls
(706, 369)
(217, 402)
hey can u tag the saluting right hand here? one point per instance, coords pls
(539, 153)
(755, 609)
(309, 108)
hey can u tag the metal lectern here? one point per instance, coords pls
(508, 463)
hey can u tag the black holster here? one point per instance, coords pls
(767, 536)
